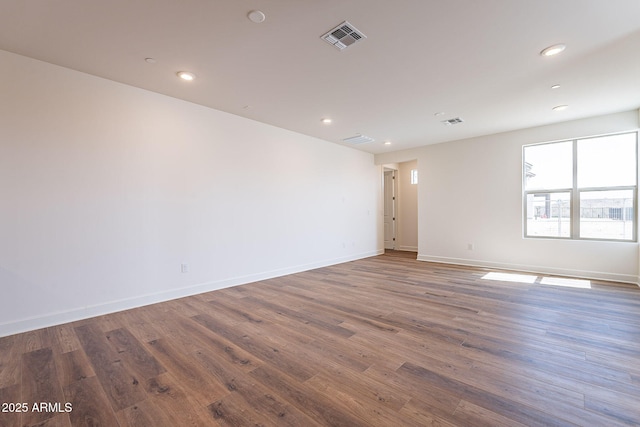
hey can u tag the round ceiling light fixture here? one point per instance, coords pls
(555, 87)
(553, 50)
(326, 121)
(256, 16)
(186, 75)
(387, 143)
(560, 107)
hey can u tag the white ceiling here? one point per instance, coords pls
(474, 59)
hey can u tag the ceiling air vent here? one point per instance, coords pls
(358, 139)
(343, 36)
(453, 121)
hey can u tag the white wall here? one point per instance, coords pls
(470, 192)
(107, 189)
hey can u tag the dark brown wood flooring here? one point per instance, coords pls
(384, 341)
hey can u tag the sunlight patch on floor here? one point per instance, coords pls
(570, 283)
(510, 277)
(530, 279)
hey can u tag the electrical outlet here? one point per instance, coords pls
(470, 246)
(184, 268)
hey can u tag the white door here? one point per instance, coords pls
(389, 210)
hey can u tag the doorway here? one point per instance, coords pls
(401, 206)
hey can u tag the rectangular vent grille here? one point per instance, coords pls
(453, 121)
(343, 36)
(358, 139)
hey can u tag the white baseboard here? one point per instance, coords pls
(60, 317)
(583, 274)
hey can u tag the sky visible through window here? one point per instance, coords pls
(551, 166)
(607, 161)
(602, 162)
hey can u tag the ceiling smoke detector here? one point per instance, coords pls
(358, 139)
(455, 121)
(343, 36)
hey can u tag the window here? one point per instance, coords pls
(582, 189)
(414, 176)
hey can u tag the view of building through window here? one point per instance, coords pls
(582, 189)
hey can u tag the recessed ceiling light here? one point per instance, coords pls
(439, 113)
(150, 60)
(552, 50)
(256, 16)
(185, 75)
(560, 107)
(326, 121)
(387, 143)
(555, 87)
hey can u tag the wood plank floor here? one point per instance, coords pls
(384, 341)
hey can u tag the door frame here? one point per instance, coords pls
(390, 196)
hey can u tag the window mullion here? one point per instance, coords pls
(575, 196)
